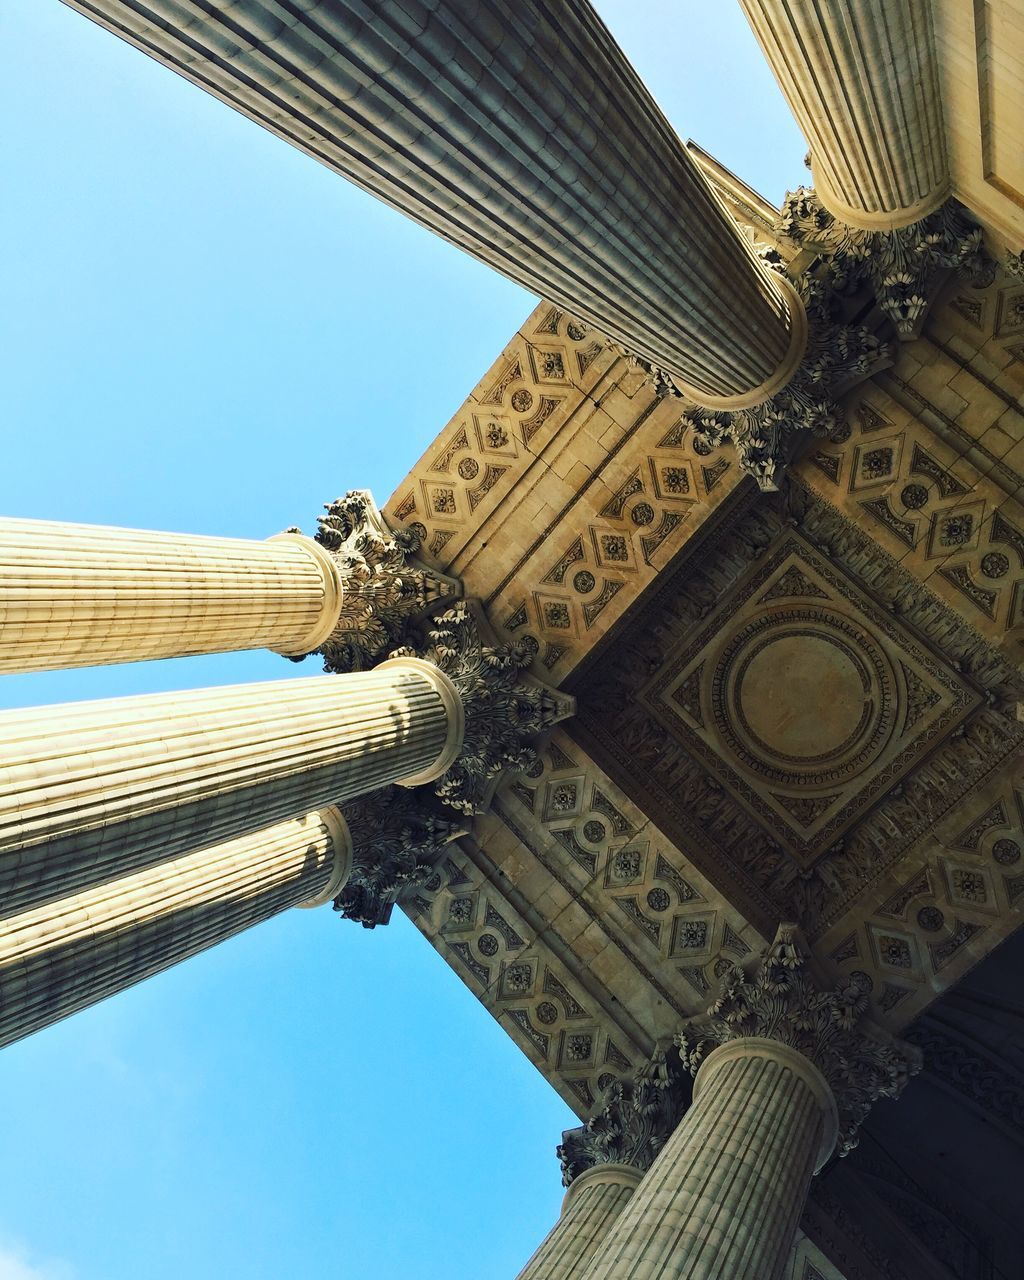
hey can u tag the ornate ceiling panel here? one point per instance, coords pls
(790, 706)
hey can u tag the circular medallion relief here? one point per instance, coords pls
(803, 696)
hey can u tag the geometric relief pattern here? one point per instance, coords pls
(880, 716)
(523, 983)
(615, 542)
(492, 441)
(804, 698)
(636, 913)
(917, 471)
(560, 489)
(966, 895)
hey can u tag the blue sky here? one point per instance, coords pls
(204, 330)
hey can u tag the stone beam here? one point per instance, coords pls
(517, 130)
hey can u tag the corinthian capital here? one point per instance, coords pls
(396, 842)
(837, 356)
(637, 1118)
(784, 1001)
(383, 586)
(504, 707)
(902, 265)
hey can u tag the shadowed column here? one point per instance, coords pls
(592, 1203)
(97, 790)
(861, 79)
(62, 957)
(518, 130)
(786, 1070)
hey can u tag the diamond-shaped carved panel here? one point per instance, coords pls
(804, 698)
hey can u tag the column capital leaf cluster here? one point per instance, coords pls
(785, 1001)
(638, 1117)
(504, 706)
(384, 587)
(837, 356)
(902, 266)
(397, 840)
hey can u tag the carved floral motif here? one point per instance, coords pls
(396, 843)
(503, 706)
(383, 587)
(784, 1001)
(900, 265)
(636, 1120)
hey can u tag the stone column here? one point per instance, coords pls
(592, 1203)
(860, 76)
(75, 595)
(784, 1075)
(604, 1160)
(517, 130)
(62, 957)
(91, 791)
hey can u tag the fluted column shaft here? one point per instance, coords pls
(723, 1199)
(90, 791)
(63, 957)
(860, 76)
(517, 130)
(594, 1200)
(75, 595)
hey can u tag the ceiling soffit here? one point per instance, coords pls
(859, 813)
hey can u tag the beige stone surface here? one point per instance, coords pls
(76, 595)
(980, 52)
(861, 79)
(593, 1202)
(723, 1199)
(97, 790)
(62, 957)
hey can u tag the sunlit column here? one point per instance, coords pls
(90, 791)
(62, 957)
(76, 595)
(860, 76)
(518, 130)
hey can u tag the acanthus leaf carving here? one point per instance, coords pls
(784, 1000)
(384, 588)
(503, 706)
(396, 843)
(637, 1118)
(901, 265)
